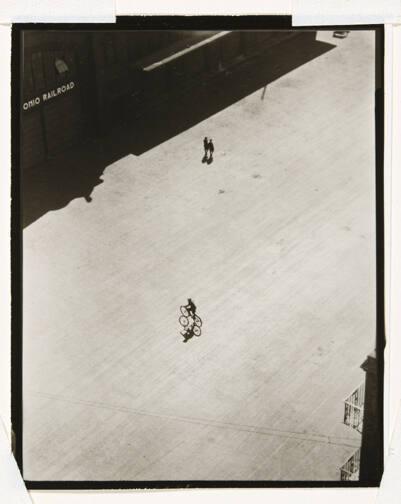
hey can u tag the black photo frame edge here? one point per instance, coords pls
(181, 22)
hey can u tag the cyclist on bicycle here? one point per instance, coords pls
(191, 307)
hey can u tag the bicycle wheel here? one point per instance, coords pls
(197, 331)
(184, 311)
(198, 321)
(183, 321)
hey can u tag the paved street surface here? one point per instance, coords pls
(274, 241)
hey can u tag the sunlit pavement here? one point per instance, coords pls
(274, 241)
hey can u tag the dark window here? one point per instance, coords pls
(110, 56)
(121, 49)
(70, 61)
(28, 87)
(50, 71)
(37, 69)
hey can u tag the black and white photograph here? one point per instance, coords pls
(199, 238)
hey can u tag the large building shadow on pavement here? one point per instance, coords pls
(74, 174)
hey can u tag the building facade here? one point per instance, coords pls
(76, 84)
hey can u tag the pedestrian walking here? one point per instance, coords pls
(211, 150)
(206, 145)
(206, 148)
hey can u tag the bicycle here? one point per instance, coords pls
(186, 314)
(190, 322)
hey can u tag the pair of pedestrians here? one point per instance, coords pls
(209, 150)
